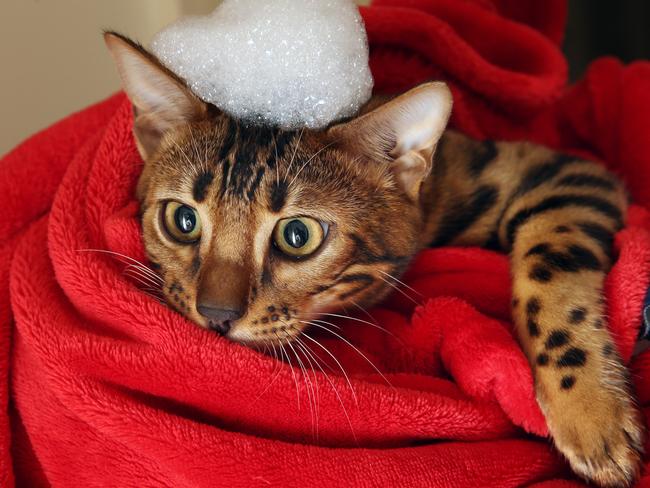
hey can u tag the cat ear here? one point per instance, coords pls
(161, 100)
(403, 132)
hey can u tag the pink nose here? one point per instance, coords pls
(219, 319)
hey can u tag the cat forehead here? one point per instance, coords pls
(231, 161)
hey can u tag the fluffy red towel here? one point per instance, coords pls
(104, 386)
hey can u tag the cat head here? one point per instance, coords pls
(256, 231)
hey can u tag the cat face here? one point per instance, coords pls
(257, 231)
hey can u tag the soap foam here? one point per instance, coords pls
(286, 63)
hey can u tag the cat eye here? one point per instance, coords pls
(182, 222)
(299, 237)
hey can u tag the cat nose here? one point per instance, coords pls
(219, 319)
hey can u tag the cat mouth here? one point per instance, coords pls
(257, 338)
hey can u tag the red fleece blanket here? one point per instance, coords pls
(104, 386)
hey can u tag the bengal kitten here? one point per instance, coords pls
(255, 230)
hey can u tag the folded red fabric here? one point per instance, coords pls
(104, 386)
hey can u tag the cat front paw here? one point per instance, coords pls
(602, 436)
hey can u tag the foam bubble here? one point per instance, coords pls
(288, 63)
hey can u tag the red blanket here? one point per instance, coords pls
(104, 386)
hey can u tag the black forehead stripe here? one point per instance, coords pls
(230, 138)
(201, 184)
(282, 141)
(264, 137)
(246, 152)
(278, 195)
(225, 175)
(256, 183)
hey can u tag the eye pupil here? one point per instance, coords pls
(185, 219)
(296, 234)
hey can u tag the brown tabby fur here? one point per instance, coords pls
(556, 216)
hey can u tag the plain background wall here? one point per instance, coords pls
(53, 60)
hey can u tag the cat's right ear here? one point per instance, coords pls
(161, 100)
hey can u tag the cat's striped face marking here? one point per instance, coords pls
(272, 227)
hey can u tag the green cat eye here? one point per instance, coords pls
(182, 222)
(298, 237)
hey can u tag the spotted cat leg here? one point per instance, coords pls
(559, 267)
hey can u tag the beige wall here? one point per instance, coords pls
(53, 60)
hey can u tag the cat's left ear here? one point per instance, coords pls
(403, 132)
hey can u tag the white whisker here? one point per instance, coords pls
(310, 160)
(402, 283)
(336, 391)
(319, 325)
(293, 373)
(135, 272)
(311, 399)
(345, 375)
(355, 319)
(123, 256)
(277, 163)
(400, 290)
(295, 151)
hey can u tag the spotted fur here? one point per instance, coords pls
(384, 199)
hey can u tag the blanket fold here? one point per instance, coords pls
(102, 385)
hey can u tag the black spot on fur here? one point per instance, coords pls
(201, 185)
(542, 359)
(579, 180)
(555, 202)
(541, 274)
(465, 212)
(577, 315)
(542, 248)
(608, 350)
(600, 234)
(562, 229)
(515, 302)
(599, 324)
(583, 258)
(575, 259)
(483, 156)
(557, 338)
(572, 358)
(533, 306)
(275, 317)
(567, 382)
(278, 195)
(265, 320)
(533, 328)
(271, 309)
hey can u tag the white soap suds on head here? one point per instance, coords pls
(286, 63)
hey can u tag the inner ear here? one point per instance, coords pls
(160, 99)
(403, 133)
